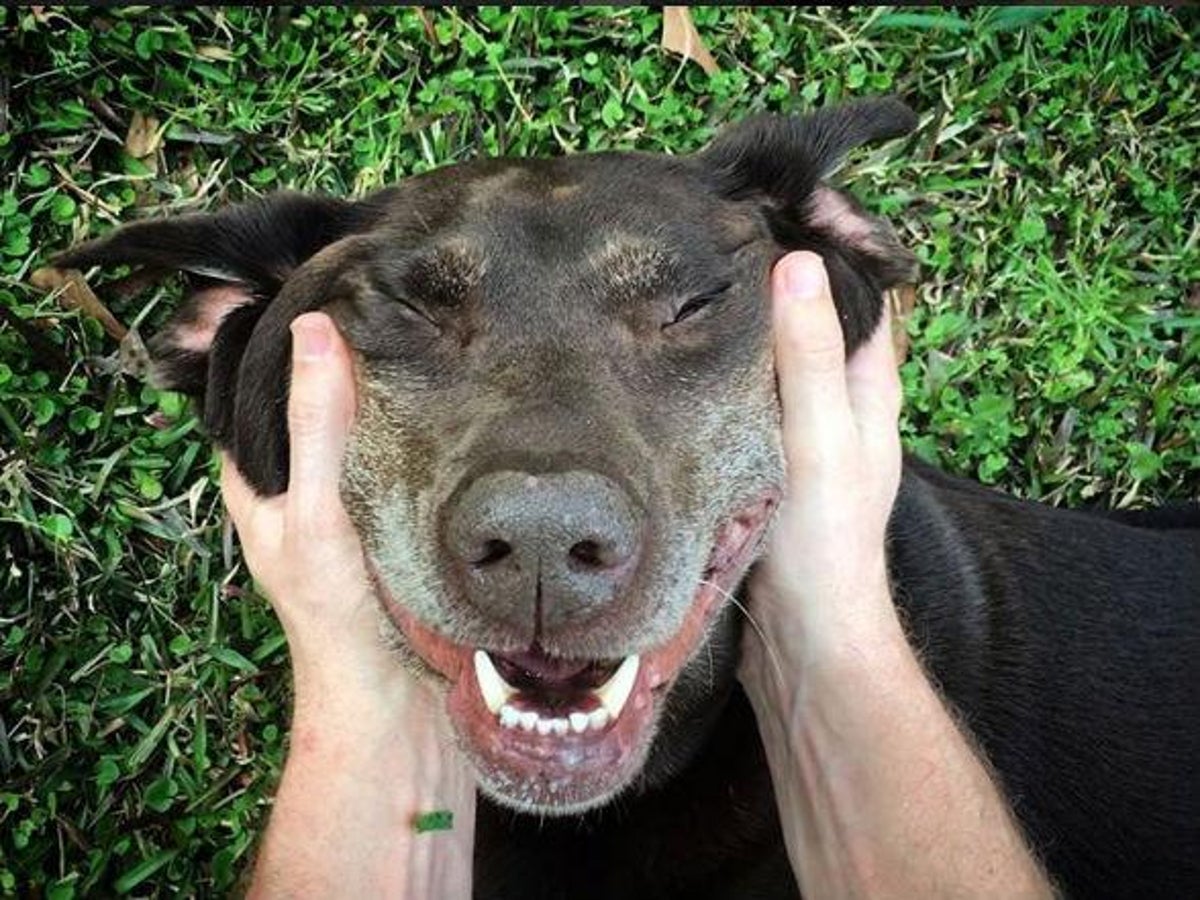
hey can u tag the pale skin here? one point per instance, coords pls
(368, 748)
(879, 793)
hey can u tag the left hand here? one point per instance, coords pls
(823, 583)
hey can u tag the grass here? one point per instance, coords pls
(1050, 192)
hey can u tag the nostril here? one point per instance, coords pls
(493, 551)
(590, 554)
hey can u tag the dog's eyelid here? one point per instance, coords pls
(416, 309)
(374, 292)
(715, 292)
(737, 248)
(697, 303)
(374, 296)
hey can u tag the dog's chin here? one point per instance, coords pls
(559, 736)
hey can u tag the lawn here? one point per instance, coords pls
(1051, 193)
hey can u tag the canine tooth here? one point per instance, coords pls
(598, 718)
(616, 690)
(543, 726)
(579, 722)
(495, 689)
(510, 716)
(528, 720)
(560, 726)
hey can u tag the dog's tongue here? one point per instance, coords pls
(534, 667)
(537, 662)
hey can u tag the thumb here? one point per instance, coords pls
(321, 405)
(810, 361)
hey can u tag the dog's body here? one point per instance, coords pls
(565, 455)
(1072, 660)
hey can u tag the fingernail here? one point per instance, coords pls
(311, 337)
(802, 276)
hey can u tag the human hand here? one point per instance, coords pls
(879, 793)
(822, 586)
(369, 750)
(301, 546)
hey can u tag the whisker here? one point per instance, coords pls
(767, 645)
(712, 675)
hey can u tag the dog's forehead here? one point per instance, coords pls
(621, 216)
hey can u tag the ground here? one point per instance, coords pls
(1050, 193)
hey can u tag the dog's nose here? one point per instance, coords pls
(551, 550)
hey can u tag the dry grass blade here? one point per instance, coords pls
(74, 293)
(427, 24)
(3, 102)
(680, 36)
(144, 136)
(901, 301)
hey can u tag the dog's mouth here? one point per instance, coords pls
(558, 735)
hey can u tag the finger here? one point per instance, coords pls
(255, 518)
(810, 360)
(321, 406)
(873, 383)
(239, 496)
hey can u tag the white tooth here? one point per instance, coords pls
(495, 689)
(528, 720)
(560, 726)
(598, 718)
(509, 716)
(543, 726)
(579, 722)
(616, 690)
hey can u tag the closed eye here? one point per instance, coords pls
(696, 305)
(412, 310)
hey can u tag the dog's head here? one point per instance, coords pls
(566, 448)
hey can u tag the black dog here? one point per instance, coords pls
(566, 453)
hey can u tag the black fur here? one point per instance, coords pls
(773, 162)
(257, 243)
(780, 162)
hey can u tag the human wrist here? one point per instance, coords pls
(337, 684)
(808, 615)
(396, 737)
(375, 775)
(340, 652)
(846, 635)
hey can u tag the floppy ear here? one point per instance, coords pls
(781, 163)
(236, 261)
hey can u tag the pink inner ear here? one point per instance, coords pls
(832, 212)
(206, 310)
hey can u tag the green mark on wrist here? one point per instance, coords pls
(437, 820)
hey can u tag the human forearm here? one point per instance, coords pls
(880, 793)
(357, 774)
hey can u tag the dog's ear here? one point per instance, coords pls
(235, 260)
(781, 163)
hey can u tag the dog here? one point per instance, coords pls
(565, 458)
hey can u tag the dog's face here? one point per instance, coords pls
(566, 449)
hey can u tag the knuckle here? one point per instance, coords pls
(814, 352)
(306, 417)
(824, 449)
